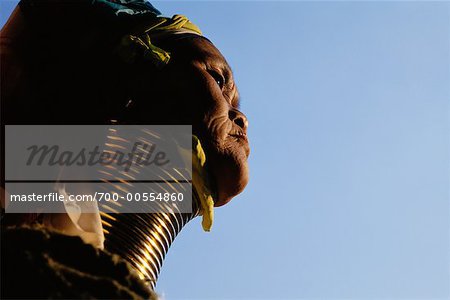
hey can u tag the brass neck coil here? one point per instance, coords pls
(144, 239)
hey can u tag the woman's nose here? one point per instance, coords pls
(238, 118)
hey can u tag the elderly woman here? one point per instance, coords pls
(91, 62)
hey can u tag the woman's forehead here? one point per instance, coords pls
(195, 47)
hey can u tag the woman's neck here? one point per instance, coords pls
(144, 239)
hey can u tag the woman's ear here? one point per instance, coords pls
(137, 87)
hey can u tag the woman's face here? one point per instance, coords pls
(197, 88)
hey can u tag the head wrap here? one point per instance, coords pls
(136, 22)
(119, 8)
(140, 44)
(126, 7)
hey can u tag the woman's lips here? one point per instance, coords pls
(238, 151)
(239, 136)
(243, 140)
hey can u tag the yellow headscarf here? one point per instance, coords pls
(161, 26)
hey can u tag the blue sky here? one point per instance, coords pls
(348, 104)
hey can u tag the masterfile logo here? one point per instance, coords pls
(134, 168)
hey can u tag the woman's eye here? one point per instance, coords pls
(218, 78)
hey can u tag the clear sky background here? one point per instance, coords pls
(349, 105)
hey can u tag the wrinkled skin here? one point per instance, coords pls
(197, 88)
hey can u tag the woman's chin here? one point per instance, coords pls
(230, 175)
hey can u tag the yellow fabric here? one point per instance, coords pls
(151, 52)
(161, 25)
(177, 22)
(200, 181)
